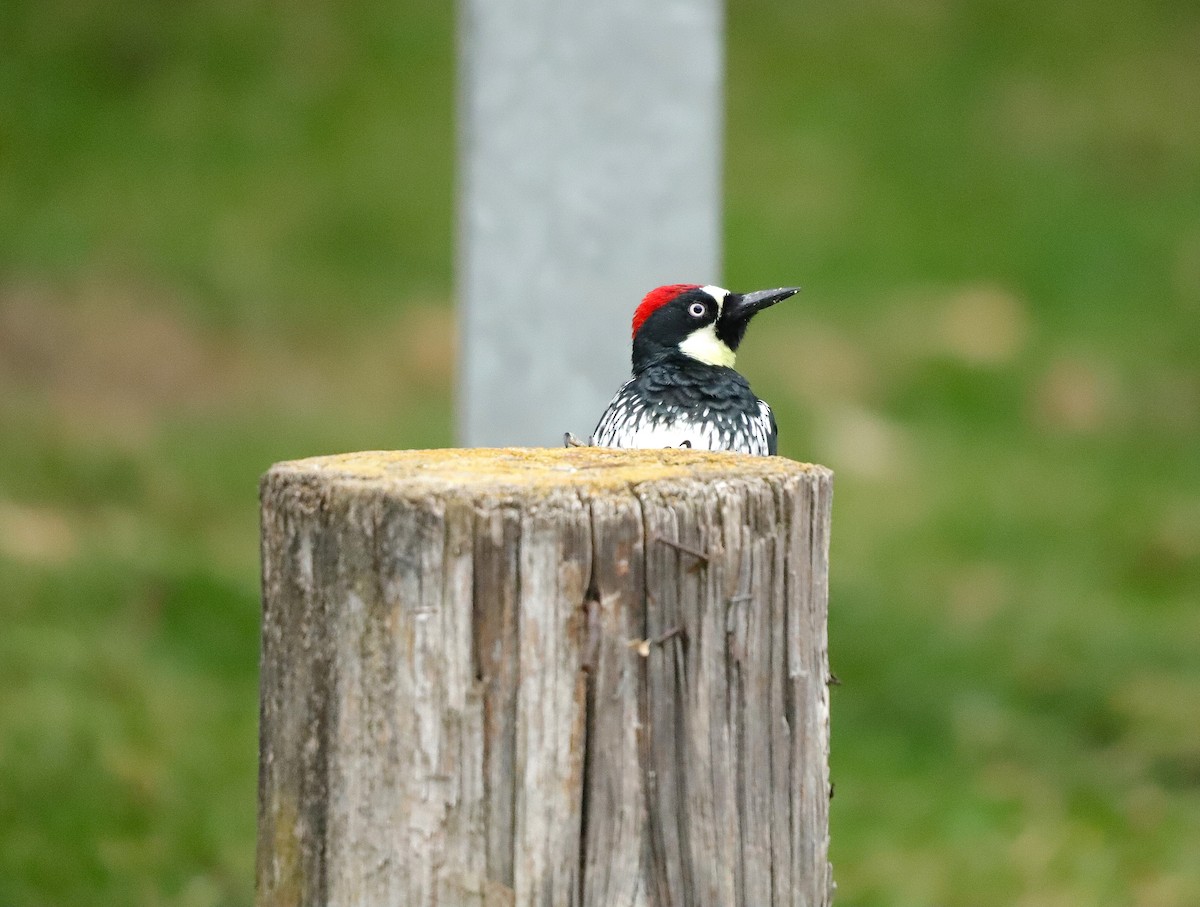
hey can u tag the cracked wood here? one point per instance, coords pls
(562, 677)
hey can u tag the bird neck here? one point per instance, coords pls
(649, 356)
(704, 345)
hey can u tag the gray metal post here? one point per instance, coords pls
(590, 151)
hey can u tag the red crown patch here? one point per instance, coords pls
(656, 299)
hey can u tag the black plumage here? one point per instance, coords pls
(684, 390)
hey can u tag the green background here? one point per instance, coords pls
(225, 240)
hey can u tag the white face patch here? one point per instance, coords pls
(704, 344)
(717, 293)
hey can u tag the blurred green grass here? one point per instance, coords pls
(225, 241)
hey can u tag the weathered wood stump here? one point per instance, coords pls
(544, 677)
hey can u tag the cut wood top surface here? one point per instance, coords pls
(471, 472)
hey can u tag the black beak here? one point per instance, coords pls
(741, 306)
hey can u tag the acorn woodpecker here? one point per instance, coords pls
(684, 391)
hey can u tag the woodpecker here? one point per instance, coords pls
(684, 391)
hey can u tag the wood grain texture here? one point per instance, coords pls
(553, 678)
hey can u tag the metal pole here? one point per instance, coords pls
(590, 151)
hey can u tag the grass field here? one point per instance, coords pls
(225, 241)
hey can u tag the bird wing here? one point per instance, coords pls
(614, 418)
(770, 429)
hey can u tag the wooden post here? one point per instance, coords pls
(544, 677)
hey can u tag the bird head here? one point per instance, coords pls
(704, 323)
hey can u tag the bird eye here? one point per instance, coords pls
(696, 310)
